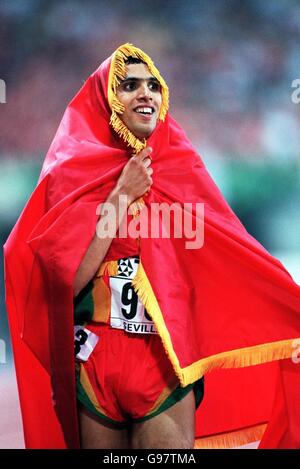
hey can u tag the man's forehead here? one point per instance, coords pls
(138, 71)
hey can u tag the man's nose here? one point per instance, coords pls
(144, 91)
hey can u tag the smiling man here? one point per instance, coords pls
(149, 408)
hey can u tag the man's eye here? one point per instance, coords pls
(129, 86)
(154, 86)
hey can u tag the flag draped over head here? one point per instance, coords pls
(227, 307)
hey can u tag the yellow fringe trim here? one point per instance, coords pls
(144, 291)
(232, 439)
(239, 358)
(117, 73)
(136, 206)
(121, 129)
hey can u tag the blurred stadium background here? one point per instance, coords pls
(230, 65)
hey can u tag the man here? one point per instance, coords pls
(203, 305)
(140, 93)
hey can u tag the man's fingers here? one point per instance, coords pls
(147, 162)
(145, 153)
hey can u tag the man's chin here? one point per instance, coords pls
(142, 133)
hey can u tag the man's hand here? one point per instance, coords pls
(136, 179)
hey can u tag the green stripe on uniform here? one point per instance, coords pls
(178, 394)
(84, 304)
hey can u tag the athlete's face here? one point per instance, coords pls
(140, 93)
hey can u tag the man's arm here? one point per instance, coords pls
(98, 248)
(134, 181)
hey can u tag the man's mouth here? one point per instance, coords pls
(144, 110)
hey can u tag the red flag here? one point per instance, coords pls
(228, 304)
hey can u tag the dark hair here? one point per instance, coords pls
(134, 60)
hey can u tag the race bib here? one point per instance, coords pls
(84, 343)
(127, 311)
